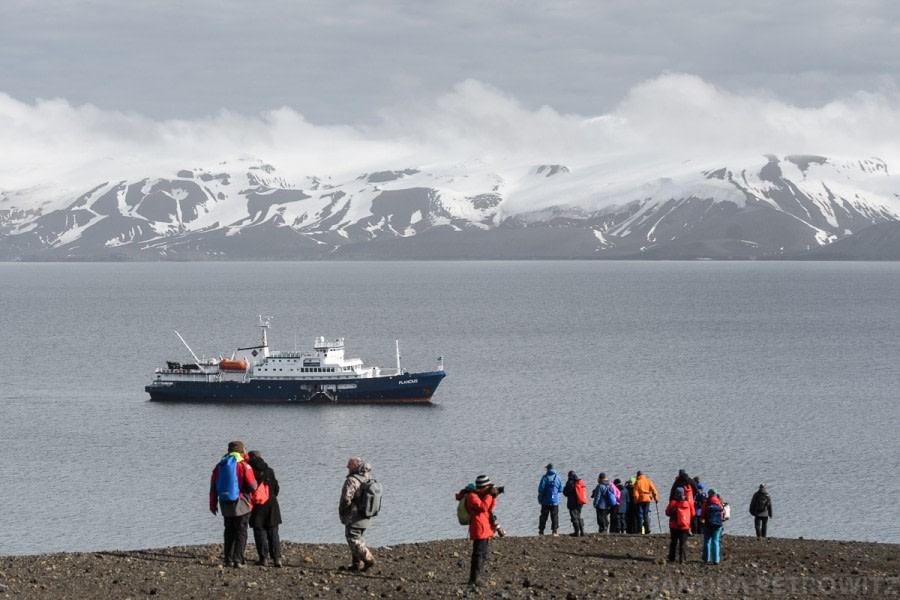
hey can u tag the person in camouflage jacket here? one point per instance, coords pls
(355, 523)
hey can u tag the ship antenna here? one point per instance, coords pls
(189, 350)
(397, 342)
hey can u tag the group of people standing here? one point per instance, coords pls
(245, 489)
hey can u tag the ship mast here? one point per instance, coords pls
(263, 325)
(397, 342)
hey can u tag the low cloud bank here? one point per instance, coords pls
(673, 117)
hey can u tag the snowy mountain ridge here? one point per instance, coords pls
(762, 207)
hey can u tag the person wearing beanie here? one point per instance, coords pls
(266, 516)
(480, 503)
(644, 491)
(548, 497)
(712, 517)
(576, 497)
(230, 487)
(604, 500)
(354, 521)
(761, 509)
(679, 512)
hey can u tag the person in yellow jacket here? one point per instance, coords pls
(643, 492)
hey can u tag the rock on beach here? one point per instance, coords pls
(595, 566)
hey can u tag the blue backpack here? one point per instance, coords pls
(713, 515)
(227, 480)
(602, 496)
(551, 491)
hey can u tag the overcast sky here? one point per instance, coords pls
(101, 89)
(338, 61)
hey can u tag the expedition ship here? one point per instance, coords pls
(254, 374)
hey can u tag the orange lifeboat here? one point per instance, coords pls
(233, 365)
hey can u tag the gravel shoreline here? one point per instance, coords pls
(609, 566)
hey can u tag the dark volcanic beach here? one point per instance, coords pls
(595, 566)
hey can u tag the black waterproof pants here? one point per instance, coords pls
(679, 536)
(479, 555)
(267, 542)
(577, 521)
(235, 538)
(760, 524)
(603, 519)
(553, 513)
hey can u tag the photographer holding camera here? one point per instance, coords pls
(480, 504)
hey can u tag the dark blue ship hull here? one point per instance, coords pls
(409, 388)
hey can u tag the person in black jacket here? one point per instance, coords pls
(266, 517)
(761, 509)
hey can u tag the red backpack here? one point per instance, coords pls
(260, 495)
(580, 492)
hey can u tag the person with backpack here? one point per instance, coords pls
(679, 512)
(548, 497)
(622, 508)
(644, 491)
(266, 515)
(355, 514)
(761, 509)
(711, 515)
(604, 499)
(576, 497)
(230, 487)
(699, 500)
(480, 504)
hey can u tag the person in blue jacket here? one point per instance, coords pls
(548, 497)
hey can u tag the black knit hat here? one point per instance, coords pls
(482, 481)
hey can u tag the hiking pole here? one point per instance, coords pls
(658, 522)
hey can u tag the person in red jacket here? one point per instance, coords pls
(679, 511)
(479, 505)
(235, 512)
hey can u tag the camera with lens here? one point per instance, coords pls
(497, 490)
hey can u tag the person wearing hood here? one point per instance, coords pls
(548, 497)
(266, 517)
(230, 487)
(621, 523)
(576, 497)
(355, 523)
(711, 515)
(603, 501)
(685, 482)
(679, 512)
(761, 509)
(644, 492)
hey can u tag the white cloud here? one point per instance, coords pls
(674, 117)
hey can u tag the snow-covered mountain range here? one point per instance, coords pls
(763, 207)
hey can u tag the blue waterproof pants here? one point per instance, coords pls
(711, 544)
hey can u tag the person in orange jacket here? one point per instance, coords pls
(479, 505)
(643, 492)
(680, 510)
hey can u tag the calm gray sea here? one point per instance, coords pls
(738, 372)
